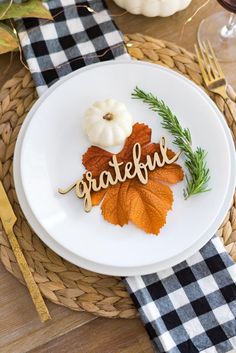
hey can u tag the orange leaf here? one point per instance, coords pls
(96, 160)
(115, 204)
(97, 197)
(172, 174)
(141, 133)
(145, 205)
(149, 204)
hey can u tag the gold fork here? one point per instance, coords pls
(212, 73)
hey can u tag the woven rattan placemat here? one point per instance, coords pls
(58, 280)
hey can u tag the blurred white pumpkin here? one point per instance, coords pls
(152, 8)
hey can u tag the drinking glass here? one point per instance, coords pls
(220, 30)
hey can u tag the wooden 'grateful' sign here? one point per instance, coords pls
(132, 169)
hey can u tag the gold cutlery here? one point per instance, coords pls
(212, 73)
(8, 219)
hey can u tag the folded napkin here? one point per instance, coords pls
(191, 307)
(188, 308)
(82, 33)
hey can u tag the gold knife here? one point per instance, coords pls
(8, 219)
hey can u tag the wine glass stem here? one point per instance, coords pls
(229, 30)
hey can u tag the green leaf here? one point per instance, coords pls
(31, 8)
(8, 40)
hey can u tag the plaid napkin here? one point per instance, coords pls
(82, 33)
(191, 307)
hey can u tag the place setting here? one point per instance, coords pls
(50, 161)
(123, 171)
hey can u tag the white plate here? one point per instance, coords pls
(99, 245)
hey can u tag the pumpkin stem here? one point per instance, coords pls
(108, 116)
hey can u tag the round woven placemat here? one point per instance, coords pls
(58, 280)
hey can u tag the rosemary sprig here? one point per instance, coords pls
(195, 161)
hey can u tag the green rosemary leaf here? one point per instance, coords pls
(198, 174)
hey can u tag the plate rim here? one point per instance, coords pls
(102, 268)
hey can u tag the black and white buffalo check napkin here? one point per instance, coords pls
(82, 33)
(191, 307)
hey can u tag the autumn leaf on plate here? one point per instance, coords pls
(144, 205)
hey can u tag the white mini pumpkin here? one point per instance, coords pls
(152, 8)
(107, 123)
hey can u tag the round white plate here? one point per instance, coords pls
(53, 143)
